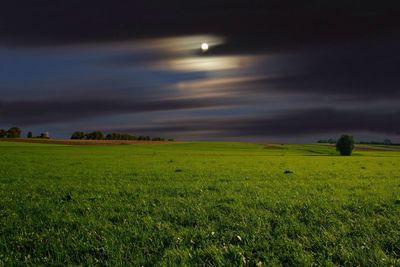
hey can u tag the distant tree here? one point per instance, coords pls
(96, 135)
(29, 135)
(124, 137)
(99, 135)
(14, 132)
(3, 133)
(78, 135)
(120, 136)
(88, 136)
(345, 145)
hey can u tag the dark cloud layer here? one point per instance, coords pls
(359, 70)
(289, 123)
(251, 25)
(64, 110)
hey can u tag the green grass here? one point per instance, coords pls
(219, 204)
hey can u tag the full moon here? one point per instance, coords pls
(204, 47)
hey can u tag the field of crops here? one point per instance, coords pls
(198, 203)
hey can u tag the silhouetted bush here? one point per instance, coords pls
(345, 145)
(29, 135)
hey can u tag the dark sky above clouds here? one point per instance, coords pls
(293, 71)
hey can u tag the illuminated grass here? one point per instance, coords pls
(229, 204)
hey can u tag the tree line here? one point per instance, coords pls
(15, 132)
(98, 135)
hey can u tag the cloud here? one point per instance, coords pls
(360, 70)
(207, 64)
(255, 24)
(293, 123)
(63, 110)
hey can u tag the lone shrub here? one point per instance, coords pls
(345, 145)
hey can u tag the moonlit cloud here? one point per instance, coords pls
(215, 83)
(208, 64)
(181, 44)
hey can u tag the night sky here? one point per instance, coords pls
(281, 71)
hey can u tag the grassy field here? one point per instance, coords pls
(217, 204)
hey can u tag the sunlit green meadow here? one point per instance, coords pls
(198, 203)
